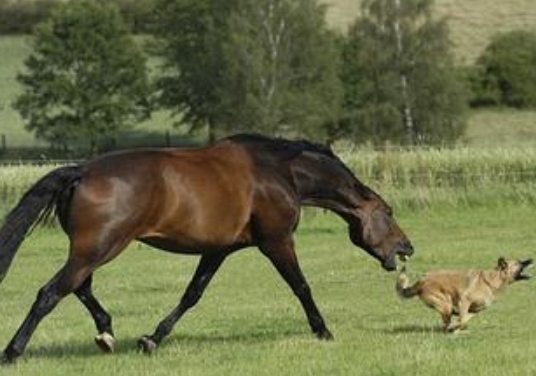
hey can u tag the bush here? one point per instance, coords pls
(20, 17)
(504, 74)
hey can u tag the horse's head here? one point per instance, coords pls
(323, 180)
(373, 228)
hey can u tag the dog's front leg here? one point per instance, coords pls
(447, 317)
(465, 315)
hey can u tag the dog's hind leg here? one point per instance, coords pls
(441, 305)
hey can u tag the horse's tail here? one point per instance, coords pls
(403, 287)
(36, 204)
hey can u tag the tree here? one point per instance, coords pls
(399, 77)
(189, 38)
(266, 65)
(85, 78)
(504, 74)
(283, 69)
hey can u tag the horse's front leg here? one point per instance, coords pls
(283, 257)
(208, 265)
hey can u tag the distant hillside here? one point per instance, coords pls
(472, 22)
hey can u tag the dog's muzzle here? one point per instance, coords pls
(526, 264)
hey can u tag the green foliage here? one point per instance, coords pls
(400, 81)
(86, 77)
(267, 66)
(21, 16)
(18, 17)
(190, 35)
(282, 69)
(504, 74)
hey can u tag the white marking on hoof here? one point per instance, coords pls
(106, 342)
(146, 345)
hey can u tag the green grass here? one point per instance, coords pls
(248, 323)
(462, 176)
(13, 51)
(501, 127)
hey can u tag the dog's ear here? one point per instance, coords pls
(502, 264)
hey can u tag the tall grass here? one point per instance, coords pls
(407, 178)
(15, 180)
(420, 178)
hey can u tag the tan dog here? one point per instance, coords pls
(462, 293)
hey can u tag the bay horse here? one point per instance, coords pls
(242, 191)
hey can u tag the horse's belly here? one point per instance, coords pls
(189, 245)
(169, 245)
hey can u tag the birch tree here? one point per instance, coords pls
(285, 65)
(399, 76)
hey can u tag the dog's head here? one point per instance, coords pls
(513, 269)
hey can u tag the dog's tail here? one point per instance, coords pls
(403, 287)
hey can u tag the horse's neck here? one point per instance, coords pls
(313, 191)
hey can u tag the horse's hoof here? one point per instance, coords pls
(7, 360)
(324, 335)
(146, 345)
(106, 342)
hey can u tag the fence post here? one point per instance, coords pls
(168, 138)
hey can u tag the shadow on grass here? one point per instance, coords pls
(128, 345)
(413, 328)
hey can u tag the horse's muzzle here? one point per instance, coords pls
(403, 250)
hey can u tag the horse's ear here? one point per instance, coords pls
(502, 264)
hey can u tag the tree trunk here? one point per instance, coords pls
(406, 103)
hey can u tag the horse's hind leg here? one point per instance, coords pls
(64, 282)
(105, 337)
(208, 266)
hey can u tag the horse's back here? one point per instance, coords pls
(181, 197)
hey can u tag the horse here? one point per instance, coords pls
(241, 191)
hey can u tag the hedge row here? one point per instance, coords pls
(20, 16)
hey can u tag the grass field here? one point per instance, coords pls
(462, 208)
(249, 323)
(472, 23)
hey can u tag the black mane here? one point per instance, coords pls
(281, 149)
(291, 148)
